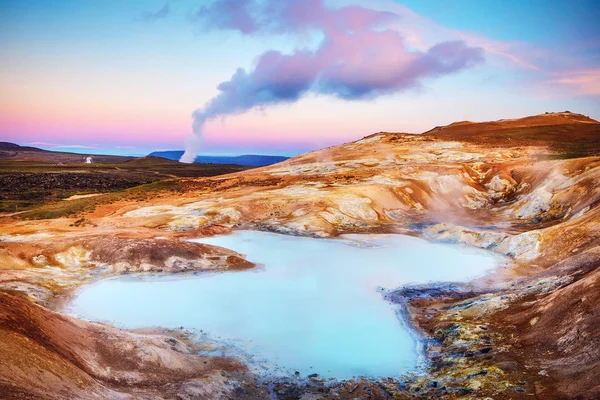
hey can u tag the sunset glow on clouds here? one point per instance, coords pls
(125, 77)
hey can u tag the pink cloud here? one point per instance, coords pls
(553, 71)
(358, 57)
(579, 82)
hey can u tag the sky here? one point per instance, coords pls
(283, 77)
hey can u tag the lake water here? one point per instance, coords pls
(314, 305)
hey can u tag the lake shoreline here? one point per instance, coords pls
(404, 314)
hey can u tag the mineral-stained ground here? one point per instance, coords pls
(527, 188)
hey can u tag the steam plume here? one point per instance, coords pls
(357, 59)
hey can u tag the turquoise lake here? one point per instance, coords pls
(313, 305)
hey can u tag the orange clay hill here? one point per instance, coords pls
(525, 188)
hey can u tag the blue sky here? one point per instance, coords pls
(101, 76)
(542, 22)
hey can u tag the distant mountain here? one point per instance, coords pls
(14, 152)
(247, 160)
(7, 146)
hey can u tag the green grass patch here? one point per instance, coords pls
(78, 207)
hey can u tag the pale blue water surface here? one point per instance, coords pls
(314, 306)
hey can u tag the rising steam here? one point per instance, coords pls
(358, 57)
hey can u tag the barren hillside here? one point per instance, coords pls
(526, 188)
